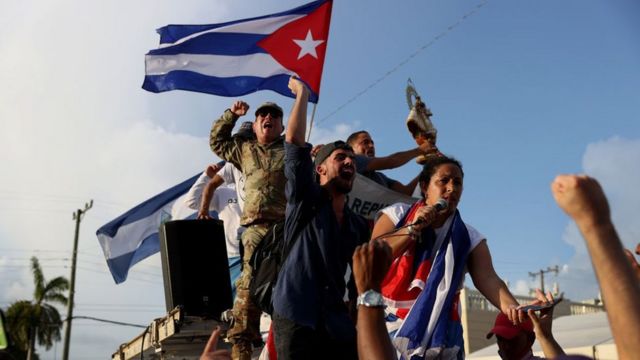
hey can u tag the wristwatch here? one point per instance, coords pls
(412, 231)
(370, 298)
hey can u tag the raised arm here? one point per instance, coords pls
(220, 139)
(582, 198)
(297, 126)
(370, 264)
(400, 158)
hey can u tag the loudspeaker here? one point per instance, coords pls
(195, 267)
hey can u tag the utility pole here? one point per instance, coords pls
(541, 274)
(77, 216)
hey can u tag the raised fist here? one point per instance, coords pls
(240, 108)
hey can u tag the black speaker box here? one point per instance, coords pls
(195, 267)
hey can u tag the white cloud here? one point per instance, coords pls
(321, 135)
(614, 163)
(521, 288)
(17, 290)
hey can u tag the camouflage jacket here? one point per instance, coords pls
(262, 166)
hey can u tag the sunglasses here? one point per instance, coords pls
(273, 113)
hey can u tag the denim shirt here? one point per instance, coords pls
(311, 285)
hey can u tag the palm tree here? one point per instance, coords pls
(29, 321)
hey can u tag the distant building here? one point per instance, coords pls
(478, 316)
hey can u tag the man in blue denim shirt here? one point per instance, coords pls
(311, 319)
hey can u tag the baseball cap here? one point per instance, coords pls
(245, 130)
(503, 327)
(270, 106)
(329, 148)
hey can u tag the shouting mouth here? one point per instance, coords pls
(347, 172)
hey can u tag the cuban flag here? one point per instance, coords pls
(432, 328)
(240, 57)
(133, 236)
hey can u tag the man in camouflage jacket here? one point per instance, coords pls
(261, 160)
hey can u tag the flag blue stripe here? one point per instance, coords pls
(146, 208)
(232, 87)
(173, 33)
(119, 266)
(414, 329)
(460, 249)
(215, 43)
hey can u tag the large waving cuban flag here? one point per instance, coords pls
(133, 236)
(243, 56)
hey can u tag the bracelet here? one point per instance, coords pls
(412, 231)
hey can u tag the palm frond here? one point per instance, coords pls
(49, 326)
(53, 290)
(57, 298)
(38, 279)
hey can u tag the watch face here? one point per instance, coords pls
(372, 298)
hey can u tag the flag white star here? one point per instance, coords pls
(308, 45)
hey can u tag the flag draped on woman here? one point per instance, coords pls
(243, 56)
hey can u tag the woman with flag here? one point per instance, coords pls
(432, 250)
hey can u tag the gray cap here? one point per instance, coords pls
(327, 149)
(270, 105)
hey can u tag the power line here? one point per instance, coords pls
(129, 305)
(35, 250)
(156, 310)
(406, 60)
(128, 277)
(541, 273)
(109, 321)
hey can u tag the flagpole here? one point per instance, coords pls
(313, 114)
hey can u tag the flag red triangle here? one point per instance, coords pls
(300, 45)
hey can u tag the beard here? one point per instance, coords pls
(341, 185)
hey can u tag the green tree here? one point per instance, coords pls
(38, 320)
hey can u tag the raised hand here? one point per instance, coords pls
(297, 86)
(370, 264)
(582, 198)
(239, 108)
(428, 148)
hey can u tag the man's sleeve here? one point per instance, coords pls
(226, 173)
(222, 143)
(194, 195)
(298, 169)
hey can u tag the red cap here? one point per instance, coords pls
(505, 328)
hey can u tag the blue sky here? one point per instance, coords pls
(520, 92)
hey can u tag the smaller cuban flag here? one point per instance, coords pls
(133, 236)
(243, 56)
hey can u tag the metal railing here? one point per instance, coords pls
(476, 301)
